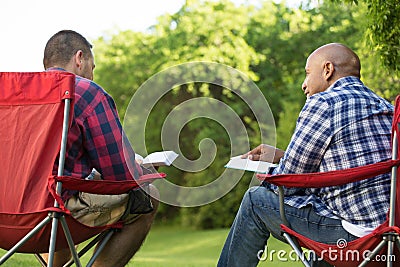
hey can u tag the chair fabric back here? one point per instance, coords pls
(31, 120)
(31, 116)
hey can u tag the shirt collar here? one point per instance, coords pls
(343, 82)
(55, 69)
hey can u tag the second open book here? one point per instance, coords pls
(249, 165)
(161, 158)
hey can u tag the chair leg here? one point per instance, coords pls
(292, 242)
(70, 241)
(390, 252)
(85, 249)
(53, 240)
(40, 259)
(297, 249)
(102, 239)
(100, 247)
(373, 253)
(393, 240)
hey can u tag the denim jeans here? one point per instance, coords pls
(258, 217)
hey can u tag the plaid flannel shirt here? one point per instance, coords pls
(95, 139)
(346, 126)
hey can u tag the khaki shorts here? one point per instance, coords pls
(100, 210)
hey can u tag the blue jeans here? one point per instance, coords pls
(258, 217)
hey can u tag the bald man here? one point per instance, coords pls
(343, 124)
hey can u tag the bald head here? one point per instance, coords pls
(326, 65)
(344, 60)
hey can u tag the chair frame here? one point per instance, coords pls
(54, 212)
(56, 217)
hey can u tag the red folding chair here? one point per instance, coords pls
(35, 115)
(374, 249)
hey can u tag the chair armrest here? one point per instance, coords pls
(105, 187)
(331, 178)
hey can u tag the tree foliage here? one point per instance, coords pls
(269, 43)
(383, 29)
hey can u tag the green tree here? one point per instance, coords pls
(285, 37)
(209, 31)
(268, 43)
(383, 29)
(200, 31)
(123, 62)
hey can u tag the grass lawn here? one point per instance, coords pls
(176, 247)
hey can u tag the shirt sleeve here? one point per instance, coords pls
(309, 142)
(106, 144)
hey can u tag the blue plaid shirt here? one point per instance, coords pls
(346, 126)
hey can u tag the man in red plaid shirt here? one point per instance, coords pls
(95, 141)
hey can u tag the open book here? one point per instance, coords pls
(249, 165)
(162, 158)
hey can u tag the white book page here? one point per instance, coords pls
(249, 165)
(138, 157)
(161, 158)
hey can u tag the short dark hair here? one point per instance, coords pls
(62, 46)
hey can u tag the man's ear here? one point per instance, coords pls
(78, 59)
(329, 69)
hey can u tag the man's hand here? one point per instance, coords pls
(149, 169)
(265, 153)
(94, 175)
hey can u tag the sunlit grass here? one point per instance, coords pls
(173, 246)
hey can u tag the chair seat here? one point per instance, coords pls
(352, 253)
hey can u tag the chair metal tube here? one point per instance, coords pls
(53, 239)
(392, 206)
(63, 148)
(393, 182)
(293, 241)
(389, 253)
(60, 172)
(64, 138)
(297, 249)
(40, 259)
(282, 206)
(100, 248)
(83, 251)
(373, 254)
(70, 242)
